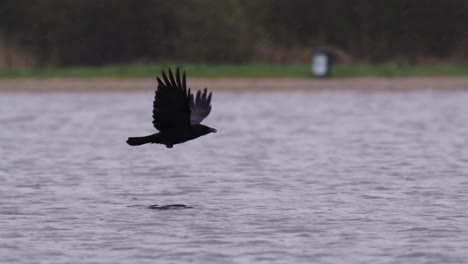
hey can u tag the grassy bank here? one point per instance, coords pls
(245, 70)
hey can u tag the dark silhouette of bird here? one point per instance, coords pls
(177, 113)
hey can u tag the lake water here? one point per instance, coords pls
(290, 177)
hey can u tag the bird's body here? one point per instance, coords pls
(177, 113)
(170, 139)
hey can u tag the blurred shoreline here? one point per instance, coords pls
(237, 84)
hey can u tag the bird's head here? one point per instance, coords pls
(203, 130)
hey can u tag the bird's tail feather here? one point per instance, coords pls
(137, 141)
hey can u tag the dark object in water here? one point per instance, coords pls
(169, 207)
(177, 113)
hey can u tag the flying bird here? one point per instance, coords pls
(177, 112)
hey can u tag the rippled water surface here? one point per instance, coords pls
(299, 177)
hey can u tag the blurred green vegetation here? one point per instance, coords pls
(241, 70)
(59, 33)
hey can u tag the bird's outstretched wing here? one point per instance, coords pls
(200, 106)
(171, 107)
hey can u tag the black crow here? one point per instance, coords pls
(177, 113)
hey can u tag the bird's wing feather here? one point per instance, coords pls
(200, 106)
(171, 107)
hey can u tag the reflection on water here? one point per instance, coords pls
(289, 178)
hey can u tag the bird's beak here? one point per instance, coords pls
(212, 130)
